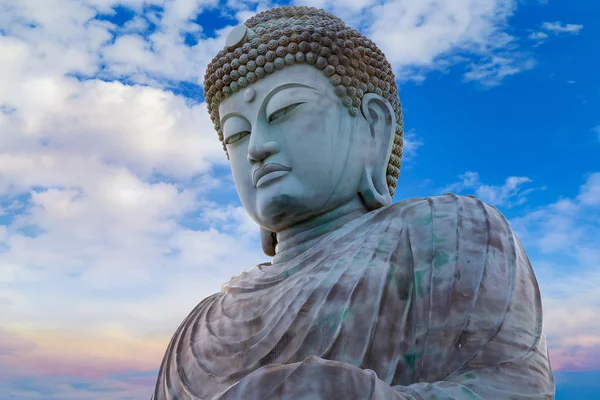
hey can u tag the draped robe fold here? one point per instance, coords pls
(435, 295)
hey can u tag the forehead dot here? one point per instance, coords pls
(249, 95)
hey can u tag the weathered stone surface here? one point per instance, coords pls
(427, 298)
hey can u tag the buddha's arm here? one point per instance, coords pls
(501, 352)
(525, 377)
(315, 379)
(479, 311)
(319, 379)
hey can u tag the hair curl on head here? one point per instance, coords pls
(291, 35)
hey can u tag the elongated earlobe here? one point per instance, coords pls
(373, 186)
(268, 240)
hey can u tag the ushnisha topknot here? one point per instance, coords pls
(283, 36)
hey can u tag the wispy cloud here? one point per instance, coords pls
(589, 194)
(554, 28)
(509, 194)
(597, 130)
(412, 143)
(538, 36)
(558, 27)
(491, 71)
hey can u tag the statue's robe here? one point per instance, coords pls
(435, 295)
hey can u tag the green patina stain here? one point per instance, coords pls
(439, 239)
(392, 284)
(410, 359)
(440, 259)
(326, 321)
(423, 220)
(469, 392)
(348, 313)
(418, 282)
(470, 376)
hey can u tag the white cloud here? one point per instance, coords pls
(411, 144)
(416, 33)
(509, 194)
(467, 180)
(538, 36)
(61, 126)
(554, 28)
(492, 70)
(135, 25)
(558, 27)
(597, 130)
(589, 194)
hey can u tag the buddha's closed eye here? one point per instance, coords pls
(238, 136)
(282, 111)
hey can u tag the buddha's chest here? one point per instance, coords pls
(356, 312)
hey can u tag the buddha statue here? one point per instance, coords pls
(425, 298)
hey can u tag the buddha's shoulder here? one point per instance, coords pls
(449, 208)
(424, 205)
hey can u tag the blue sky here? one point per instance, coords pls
(117, 208)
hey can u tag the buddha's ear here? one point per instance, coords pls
(268, 240)
(380, 115)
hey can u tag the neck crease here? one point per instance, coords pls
(302, 236)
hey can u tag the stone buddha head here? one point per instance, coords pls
(308, 113)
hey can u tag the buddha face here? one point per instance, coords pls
(295, 150)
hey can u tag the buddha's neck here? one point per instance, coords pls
(300, 237)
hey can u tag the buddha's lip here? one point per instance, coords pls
(267, 169)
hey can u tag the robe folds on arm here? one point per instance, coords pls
(435, 296)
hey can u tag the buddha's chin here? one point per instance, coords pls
(278, 211)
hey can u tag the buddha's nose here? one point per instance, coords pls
(258, 152)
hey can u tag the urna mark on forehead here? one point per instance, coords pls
(237, 103)
(249, 95)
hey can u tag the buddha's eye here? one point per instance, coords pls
(238, 136)
(282, 111)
